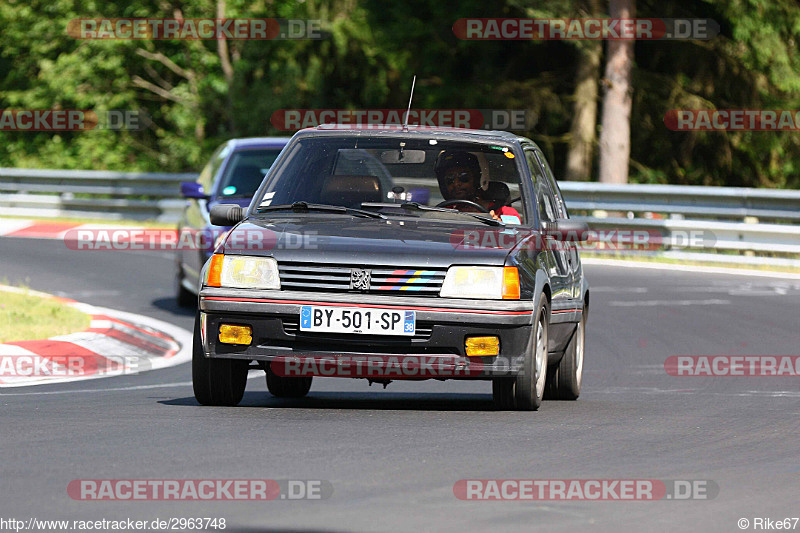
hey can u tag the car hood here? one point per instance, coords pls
(397, 241)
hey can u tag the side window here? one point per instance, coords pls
(562, 208)
(544, 197)
(206, 177)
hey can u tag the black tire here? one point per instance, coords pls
(503, 393)
(183, 296)
(216, 381)
(565, 382)
(287, 387)
(530, 383)
(525, 391)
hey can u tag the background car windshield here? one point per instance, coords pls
(245, 172)
(351, 171)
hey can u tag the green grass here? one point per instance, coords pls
(26, 317)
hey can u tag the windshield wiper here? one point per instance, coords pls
(420, 207)
(304, 207)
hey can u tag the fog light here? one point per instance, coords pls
(230, 334)
(481, 346)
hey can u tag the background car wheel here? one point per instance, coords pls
(216, 381)
(565, 382)
(283, 387)
(183, 296)
(530, 382)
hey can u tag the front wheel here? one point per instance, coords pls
(565, 382)
(525, 391)
(287, 387)
(216, 381)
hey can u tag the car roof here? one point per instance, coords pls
(258, 142)
(462, 134)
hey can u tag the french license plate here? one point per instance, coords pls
(357, 320)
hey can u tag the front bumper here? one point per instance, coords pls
(437, 350)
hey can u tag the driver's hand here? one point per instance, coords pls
(495, 215)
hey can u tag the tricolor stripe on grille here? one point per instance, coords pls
(406, 279)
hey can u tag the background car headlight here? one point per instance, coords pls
(243, 271)
(481, 282)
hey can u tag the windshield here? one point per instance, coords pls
(357, 172)
(245, 172)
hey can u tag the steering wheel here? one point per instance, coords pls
(470, 203)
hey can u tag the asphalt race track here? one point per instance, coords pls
(394, 455)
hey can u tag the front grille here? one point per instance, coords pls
(384, 280)
(291, 326)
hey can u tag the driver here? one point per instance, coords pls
(459, 175)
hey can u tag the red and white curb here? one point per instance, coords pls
(45, 229)
(115, 343)
(91, 237)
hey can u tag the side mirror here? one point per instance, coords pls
(190, 189)
(567, 229)
(226, 214)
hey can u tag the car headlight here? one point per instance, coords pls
(481, 282)
(243, 271)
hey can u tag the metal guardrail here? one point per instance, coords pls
(696, 220)
(92, 194)
(730, 219)
(691, 201)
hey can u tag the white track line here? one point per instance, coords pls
(113, 389)
(688, 268)
(659, 303)
(257, 375)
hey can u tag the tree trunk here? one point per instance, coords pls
(227, 68)
(615, 136)
(584, 113)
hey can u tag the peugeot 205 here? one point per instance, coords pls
(393, 254)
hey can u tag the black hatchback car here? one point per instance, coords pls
(393, 254)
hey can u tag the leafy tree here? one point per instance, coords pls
(198, 93)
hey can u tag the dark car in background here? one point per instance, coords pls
(231, 176)
(395, 289)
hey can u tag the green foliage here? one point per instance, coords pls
(373, 50)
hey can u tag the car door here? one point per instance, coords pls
(556, 256)
(561, 208)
